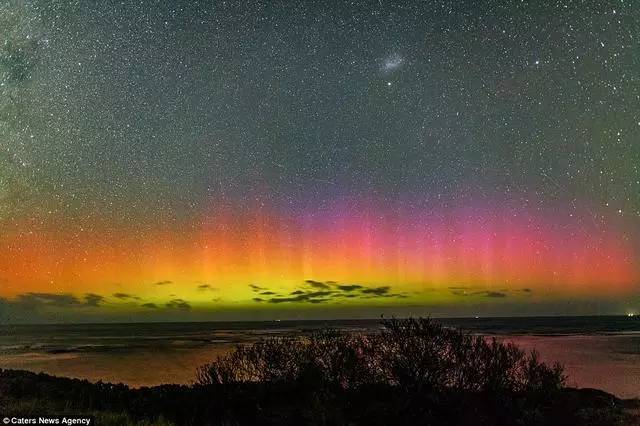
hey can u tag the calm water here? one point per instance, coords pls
(600, 352)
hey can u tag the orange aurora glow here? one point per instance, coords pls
(411, 252)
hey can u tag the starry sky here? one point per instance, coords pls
(174, 160)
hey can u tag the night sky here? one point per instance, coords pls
(261, 160)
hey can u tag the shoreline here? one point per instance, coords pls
(24, 393)
(289, 321)
(593, 358)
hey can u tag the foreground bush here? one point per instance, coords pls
(411, 372)
(413, 355)
(27, 394)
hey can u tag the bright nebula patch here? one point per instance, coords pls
(392, 63)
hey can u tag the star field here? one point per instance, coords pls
(225, 142)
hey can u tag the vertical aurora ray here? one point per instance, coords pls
(410, 250)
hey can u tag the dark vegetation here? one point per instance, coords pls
(413, 371)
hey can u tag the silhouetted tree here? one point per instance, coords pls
(415, 355)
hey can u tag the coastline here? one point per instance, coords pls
(603, 356)
(23, 393)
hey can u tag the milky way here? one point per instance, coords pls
(420, 148)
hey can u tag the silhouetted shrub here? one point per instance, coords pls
(414, 355)
(409, 372)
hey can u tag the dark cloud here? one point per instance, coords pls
(397, 295)
(205, 287)
(163, 282)
(180, 304)
(48, 299)
(263, 291)
(91, 299)
(34, 301)
(378, 291)
(125, 296)
(345, 295)
(318, 293)
(317, 284)
(497, 294)
(149, 305)
(482, 293)
(311, 297)
(349, 287)
(297, 299)
(324, 291)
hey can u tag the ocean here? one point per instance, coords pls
(597, 352)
